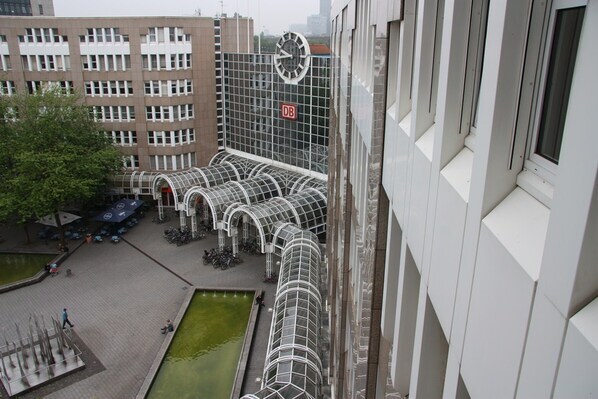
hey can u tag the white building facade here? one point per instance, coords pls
(463, 199)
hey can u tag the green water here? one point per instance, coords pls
(202, 359)
(15, 267)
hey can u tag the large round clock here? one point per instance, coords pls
(292, 57)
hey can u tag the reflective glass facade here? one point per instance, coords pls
(254, 97)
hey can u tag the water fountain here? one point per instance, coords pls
(37, 357)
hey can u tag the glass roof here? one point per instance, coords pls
(244, 166)
(307, 209)
(134, 182)
(219, 157)
(181, 182)
(249, 191)
(293, 366)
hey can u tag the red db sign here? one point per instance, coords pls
(289, 111)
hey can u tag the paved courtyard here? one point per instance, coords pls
(119, 295)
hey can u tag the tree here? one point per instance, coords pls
(53, 155)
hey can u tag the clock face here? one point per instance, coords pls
(292, 57)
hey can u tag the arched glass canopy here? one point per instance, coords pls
(244, 166)
(219, 157)
(134, 183)
(248, 191)
(181, 182)
(307, 209)
(293, 363)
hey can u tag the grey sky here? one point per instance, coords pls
(274, 15)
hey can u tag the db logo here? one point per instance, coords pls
(107, 216)
(289, 111)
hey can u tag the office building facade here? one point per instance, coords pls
(462, 222)
(27, 7)
(154, 83)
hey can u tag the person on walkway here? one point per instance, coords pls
(259, 300)
(65, 319)
(53, 269)
(169, 327)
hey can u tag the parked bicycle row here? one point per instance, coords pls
(179, 236)
(222, 259)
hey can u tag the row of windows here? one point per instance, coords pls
(172, 162)
(106, 35)
(42, 35)
(156, 113)
(7, 87)
(171, 138)
(156, 62)
(169, 87)
(109, 113)
(38, 86)
(46, 62)
(112, 88)
(159, 35)
(106, 62)
(14, 8)
(123, 137)
(101, 35)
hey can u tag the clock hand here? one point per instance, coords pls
(284, 54)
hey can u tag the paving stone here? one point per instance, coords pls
(118, 298)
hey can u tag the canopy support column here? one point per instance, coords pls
(269, 248)
(194, 232)
(235, 234)
(245, 228)
(183, 219)
(160, 209)
(206, 213)
(221, 239)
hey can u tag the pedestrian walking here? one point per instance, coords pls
(65, 319)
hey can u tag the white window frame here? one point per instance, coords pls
(542, 167)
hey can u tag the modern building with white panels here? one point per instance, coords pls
(155, 83)
(463, 200)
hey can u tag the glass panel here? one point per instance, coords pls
(558, 82)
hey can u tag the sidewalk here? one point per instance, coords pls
(118, 298)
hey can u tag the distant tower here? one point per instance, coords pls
(325, 12)
(26, 7)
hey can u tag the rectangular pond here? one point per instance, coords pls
(20, 266)
(202, 359)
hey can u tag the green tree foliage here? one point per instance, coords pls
(53, 155)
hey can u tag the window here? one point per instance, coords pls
(7, 88)
(7, 66)
(549, 73)
(405, 58)
(475, 63)
(123, 138)
(557, 85)
(131, 161)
